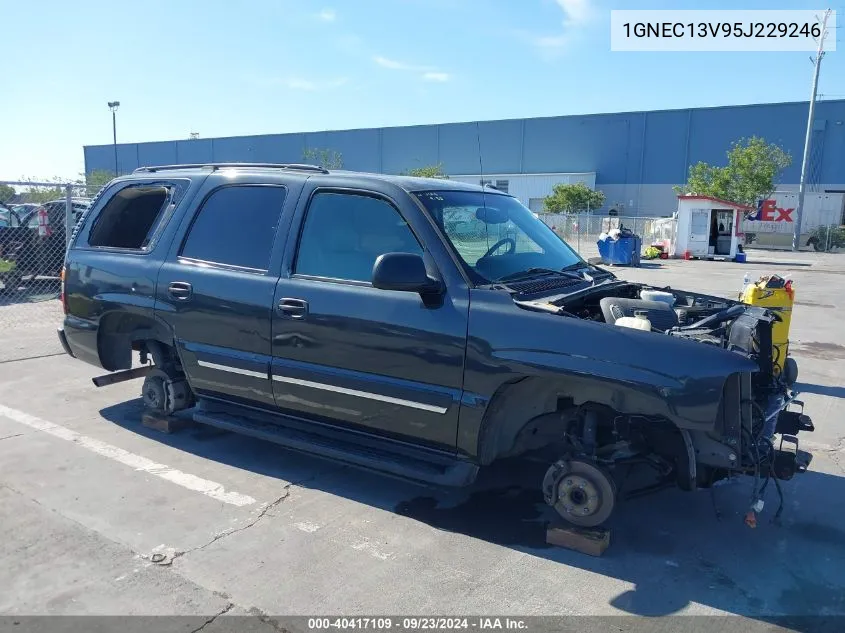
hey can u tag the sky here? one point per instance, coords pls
(228, 68)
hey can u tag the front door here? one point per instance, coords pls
(216, 292)
(350, 354)
(699, 232)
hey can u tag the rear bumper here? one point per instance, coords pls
(63, 341)
(79, 340)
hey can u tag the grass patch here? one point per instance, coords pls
(6, 265)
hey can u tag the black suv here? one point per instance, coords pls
(420, 327)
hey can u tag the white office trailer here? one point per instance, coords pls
(707, 228)
(529, 189)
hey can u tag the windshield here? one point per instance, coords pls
(495, 236)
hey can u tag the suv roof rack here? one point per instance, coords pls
(216, 166)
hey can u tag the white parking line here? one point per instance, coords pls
(186, 480)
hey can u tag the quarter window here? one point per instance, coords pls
(128, 220)
(345, 233)
(236, 226)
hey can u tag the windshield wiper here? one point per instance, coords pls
(529, 272)
(537, 271)
(577, 265)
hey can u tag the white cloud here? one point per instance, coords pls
(392, 64)
(575, 13)
(328, 15)
(436, 76)
(426, 73)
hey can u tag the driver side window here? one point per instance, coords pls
(345, 233)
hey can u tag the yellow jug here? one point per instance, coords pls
(775, 294)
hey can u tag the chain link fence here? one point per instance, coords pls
(826, 238)
(582, 230)
(36, 221)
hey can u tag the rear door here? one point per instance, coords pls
(345, 352)
(215, 289)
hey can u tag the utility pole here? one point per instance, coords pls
(113, 106)
(802, 185)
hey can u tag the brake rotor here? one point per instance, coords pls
(582, 493)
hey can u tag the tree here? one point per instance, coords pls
(751, 174)
(325, 158)
(572, 199)
(41, 194)
(7, 193)
(427, 171)
(96, 180)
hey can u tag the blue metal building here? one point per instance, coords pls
(634, 157)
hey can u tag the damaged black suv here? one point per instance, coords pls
(421, 327)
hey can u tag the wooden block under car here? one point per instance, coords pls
(165, 423)
(592, 541)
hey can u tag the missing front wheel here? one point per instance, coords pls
(583, 493)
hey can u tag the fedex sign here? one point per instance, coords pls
(768, 211)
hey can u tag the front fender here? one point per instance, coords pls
(630, 371)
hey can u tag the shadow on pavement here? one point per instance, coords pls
(676, 549)
(822, 390)
(781, 262)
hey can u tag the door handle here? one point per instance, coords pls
(180, 290)
(293, 308)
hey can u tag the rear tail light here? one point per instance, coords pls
(62, 296)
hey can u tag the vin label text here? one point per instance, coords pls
(711, 30)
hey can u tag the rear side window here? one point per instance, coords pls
(129, 218)
(236, 226)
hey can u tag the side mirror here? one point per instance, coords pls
(404, 272)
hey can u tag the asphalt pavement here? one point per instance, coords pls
(102, 516)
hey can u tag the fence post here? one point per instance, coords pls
(827, 240)
(69, 223)
(578, 228)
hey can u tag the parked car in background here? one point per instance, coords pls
(14, 237)
(57, 208)
(25, 209)
(36, 248)
(12, 230)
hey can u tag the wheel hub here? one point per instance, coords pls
(153, 393)
(581, 492)
(578, 496)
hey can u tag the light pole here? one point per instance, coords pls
(808, 138)
(113, 106)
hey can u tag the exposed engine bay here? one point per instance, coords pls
(754, 433)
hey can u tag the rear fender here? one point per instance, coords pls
(119, 334)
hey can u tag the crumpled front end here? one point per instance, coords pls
(760, 415)
(752, 426)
